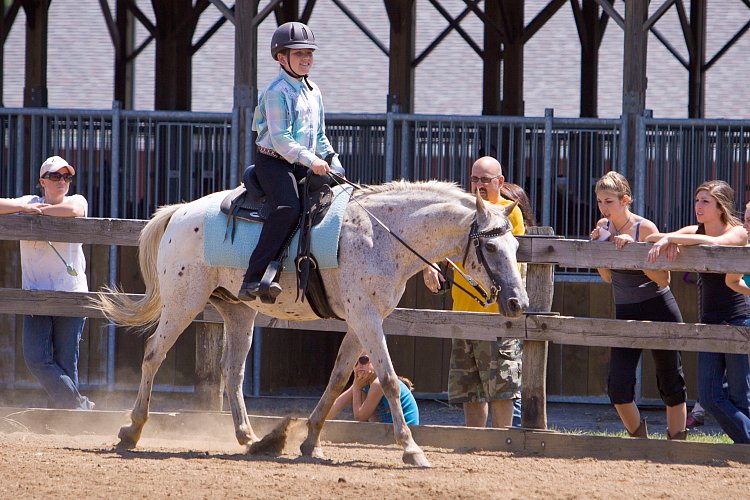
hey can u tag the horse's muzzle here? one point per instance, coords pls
(514, 307)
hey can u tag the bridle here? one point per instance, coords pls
(485, 298)
(475, 237)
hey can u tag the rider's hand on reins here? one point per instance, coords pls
(320, 167)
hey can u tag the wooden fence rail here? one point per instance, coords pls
(537, 328)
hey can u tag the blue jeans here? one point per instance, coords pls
(50, 349)
(728, 406)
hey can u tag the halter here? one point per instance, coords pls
(475, 236)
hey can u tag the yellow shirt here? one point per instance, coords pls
(461, 301)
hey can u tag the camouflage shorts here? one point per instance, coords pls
(484, 371)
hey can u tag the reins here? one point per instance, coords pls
(474, 235)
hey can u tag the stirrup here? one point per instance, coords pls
(269, 289)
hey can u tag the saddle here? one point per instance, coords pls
(248, 202)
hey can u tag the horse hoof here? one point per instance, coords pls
(247, 439)
(312, 451)
(127, 442)
(416, 459)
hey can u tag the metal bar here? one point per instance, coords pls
(390, 144)
(235, 153)
(547, 173)
(113, 250)
(640, 165)
(19, 155)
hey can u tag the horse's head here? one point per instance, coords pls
(491, 257)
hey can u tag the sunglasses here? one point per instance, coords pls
(363, 360)
(55, 177)
(483, 180)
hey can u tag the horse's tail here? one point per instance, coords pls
(143, 313)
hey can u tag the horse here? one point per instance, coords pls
(441, 220)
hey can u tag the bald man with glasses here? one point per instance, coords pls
(484, 376)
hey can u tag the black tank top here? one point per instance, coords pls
(718, 302)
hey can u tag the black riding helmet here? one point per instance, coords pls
(293, 35)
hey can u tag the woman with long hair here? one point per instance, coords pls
(719, 304)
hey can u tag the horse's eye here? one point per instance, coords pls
(491, 246)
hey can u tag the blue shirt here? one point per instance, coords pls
(290, 120)
(408, 405)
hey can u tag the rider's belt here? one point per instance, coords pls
(270, 152)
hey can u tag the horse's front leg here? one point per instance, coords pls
(238, 331)
(372, 337)
(342, 370)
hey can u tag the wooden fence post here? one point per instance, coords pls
(209, 383)
(540, 287)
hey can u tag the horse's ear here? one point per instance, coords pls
(481, 210)
(509, 208)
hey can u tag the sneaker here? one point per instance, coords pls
(250, 291)
(693, 421)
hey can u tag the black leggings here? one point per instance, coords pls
(624, 361)
(278, 178)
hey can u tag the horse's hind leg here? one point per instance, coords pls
(342, 370)
(238, 330)
(175, 317)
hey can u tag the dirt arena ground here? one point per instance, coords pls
(34, 465)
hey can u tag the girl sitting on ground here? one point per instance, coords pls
(368, 400)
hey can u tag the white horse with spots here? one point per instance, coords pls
(437, 219)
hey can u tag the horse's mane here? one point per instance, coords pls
(447, 189)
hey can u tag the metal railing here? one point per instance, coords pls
(673, 157)
(131, 161)
(134, 161)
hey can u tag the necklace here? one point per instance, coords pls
(622, 228)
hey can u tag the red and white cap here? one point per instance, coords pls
(53, 164)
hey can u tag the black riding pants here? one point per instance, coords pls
(278, 178)
(623, 361)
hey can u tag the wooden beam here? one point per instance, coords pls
(540, 286)
(539, 250)
(634, 76)
(449, 324)
(218, 426)
(697, 62)
(402, 16)
(87, 230)
(491, 61)
(35, 85)
(513, 45)
(590, 254)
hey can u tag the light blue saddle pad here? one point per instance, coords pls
(219, 252)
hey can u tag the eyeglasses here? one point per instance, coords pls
(56, 177)
(483, 180)
(363, 360)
